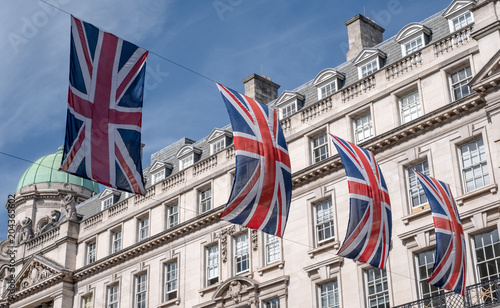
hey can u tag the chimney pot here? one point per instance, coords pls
(261, 88)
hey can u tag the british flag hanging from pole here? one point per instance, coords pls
(104, 118)
(370, 225)
(262, 190)
(450, 262)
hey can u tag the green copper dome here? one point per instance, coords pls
(45, 170)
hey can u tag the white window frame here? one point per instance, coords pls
(327, 89)
(186, 162)
(170, 281)
(460, 84)
(217, 145)
(413, 45)
(288, 109)
(410, 107)
(319, 152)
(328, 295)
(376, 282)
(492, 236)
(172, 215)
(414, 188)
(480, 166)
(87, 300)
(157, 176)
(272, 248)
(91, 252)
(212, 264)
(463, 21)
(427, 266)
(142, 228)
(357, 129)
(113, 296)
(368, 68)
(116, 240)
(107, 202)
(324, 222)
(141, 290)
(241, 254)
(205, 199)
(272, 303)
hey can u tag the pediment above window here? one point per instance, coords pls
(236, 290)
(457, 7)
(186, 150)
(287, 97)
(219, 139)
(107, 192)
(410, 31)
(157, 166)
(289, 103)
(488, 77)
(326, 76)
(368, 54)
(328, 82)
(39, 272)
(218, 133)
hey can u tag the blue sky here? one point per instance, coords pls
(227, 40)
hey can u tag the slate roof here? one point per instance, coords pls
(439, 29)
(392, 49)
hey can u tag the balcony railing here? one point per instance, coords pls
(484, 294)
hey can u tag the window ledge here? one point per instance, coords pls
(170, 303)
(424, 210)
(327, 246)
(208, 289)
(492, 188)
(271, 266)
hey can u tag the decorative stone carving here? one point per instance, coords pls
(222, 236)
(255, 240)
(235, 289)
(36, 273)
(26, 232)
(69, 204)
(48, 223)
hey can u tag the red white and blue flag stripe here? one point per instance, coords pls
(450, 262)
(262, 190)
(104, 118)
(370, 226)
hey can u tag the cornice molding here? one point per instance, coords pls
(393, 137)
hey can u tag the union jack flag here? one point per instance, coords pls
(104, 118)
(370, 225)
(262, 189)
(450, 263)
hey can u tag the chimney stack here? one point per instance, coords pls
(260, 88)
(362, 32)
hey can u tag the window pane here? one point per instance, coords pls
(474, 165)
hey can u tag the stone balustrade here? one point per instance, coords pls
(357, 89)
(43, 238)
(205, 165)
(454, 40)
(317, 109)
(403, 66)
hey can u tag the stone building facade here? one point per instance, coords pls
(426, 99)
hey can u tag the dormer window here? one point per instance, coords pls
(186, 162)
(219, 139)
(109, 197)
(159, 171)
(289, 103)
(328, 82)
(369, 68)
(462, 21)
(369, 61)
(412, 38)
(459, 14)
(107, 202)
(158, 176)
(187, 156)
